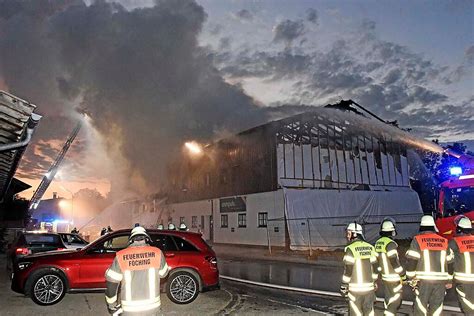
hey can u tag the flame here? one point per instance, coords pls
(194, 147)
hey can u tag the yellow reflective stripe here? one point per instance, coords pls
(118, 312)
(373, 259)
(141, 308)
(426, 260)
(467, 262)
(411, 273)
(372, 313)
(141, 302)
(461, 293)
(399, 269)
(387, 313)
(151, 282)
(114, 275)
(438, 311)
(385, 263)
(163, 270)
(393, 299)
(351, 297)
(354, 308)
(360, 278)
(398, 288)
(433, 278)
(392, 253)
(128, 285)
(420, 306)
(413, 253)
(346, 279)
(443, 260)
(464, 277)
(390, 277)
(469, 304)
(111, 300)
(375, 276)
(348, 258)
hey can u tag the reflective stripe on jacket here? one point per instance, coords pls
(463, 249)
(360, 261)
(389, 263)
(138, 269)
(429, 255)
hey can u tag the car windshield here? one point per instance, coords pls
(459, 201)
(34, 239)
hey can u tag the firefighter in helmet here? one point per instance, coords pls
(389, 266)
(427, 268)
(463, 247)
(135, 276)
(360, 272)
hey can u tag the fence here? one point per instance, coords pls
(329, 232)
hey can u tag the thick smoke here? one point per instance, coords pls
(140, 74)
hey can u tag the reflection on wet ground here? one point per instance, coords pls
(300, 275)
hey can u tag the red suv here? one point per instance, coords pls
(46, 277)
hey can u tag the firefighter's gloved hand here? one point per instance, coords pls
(344, 290)
(413, 284)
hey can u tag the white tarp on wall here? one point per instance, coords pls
(319, 217)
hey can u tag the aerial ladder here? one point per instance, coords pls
(49, 176)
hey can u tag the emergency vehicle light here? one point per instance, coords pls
(455, 171)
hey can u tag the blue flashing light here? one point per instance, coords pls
(455, 171)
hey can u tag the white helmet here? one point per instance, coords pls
(354, 228)
(161, 227)
(428, 221)
(183, 226)
(138, 231)
(463, 222)
(387, 225)
(171, 226)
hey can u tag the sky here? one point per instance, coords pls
(154, 75)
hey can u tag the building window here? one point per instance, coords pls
(194, 222)
(181, 220)
(224, 221)
(262, 219)
(242, 222)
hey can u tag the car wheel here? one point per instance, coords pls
(47, 287)
(182, 287)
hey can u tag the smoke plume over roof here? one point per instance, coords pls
(140, 74)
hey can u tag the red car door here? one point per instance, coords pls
(98, 259)
(168, 247)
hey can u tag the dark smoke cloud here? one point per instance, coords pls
(287, 31)
(140, 74)
(244, 15)
(312, 16)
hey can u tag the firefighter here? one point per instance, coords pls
(360, 272)
(135, 277)
(389, 266)
(427, 268)
(183, 227)
(463, 248)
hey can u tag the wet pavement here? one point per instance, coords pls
(300, 275)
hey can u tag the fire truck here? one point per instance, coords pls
(456, 195)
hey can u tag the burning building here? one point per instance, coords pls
(296, 181)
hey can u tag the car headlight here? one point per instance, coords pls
(23, 265)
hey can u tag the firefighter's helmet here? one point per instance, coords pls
(387, 225)
(428, 221)
(171, 226)
(138, 232)
(161, 227)
(355, 229)
(183, 227)
(463, 222)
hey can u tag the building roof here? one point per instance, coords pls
(15, 114)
